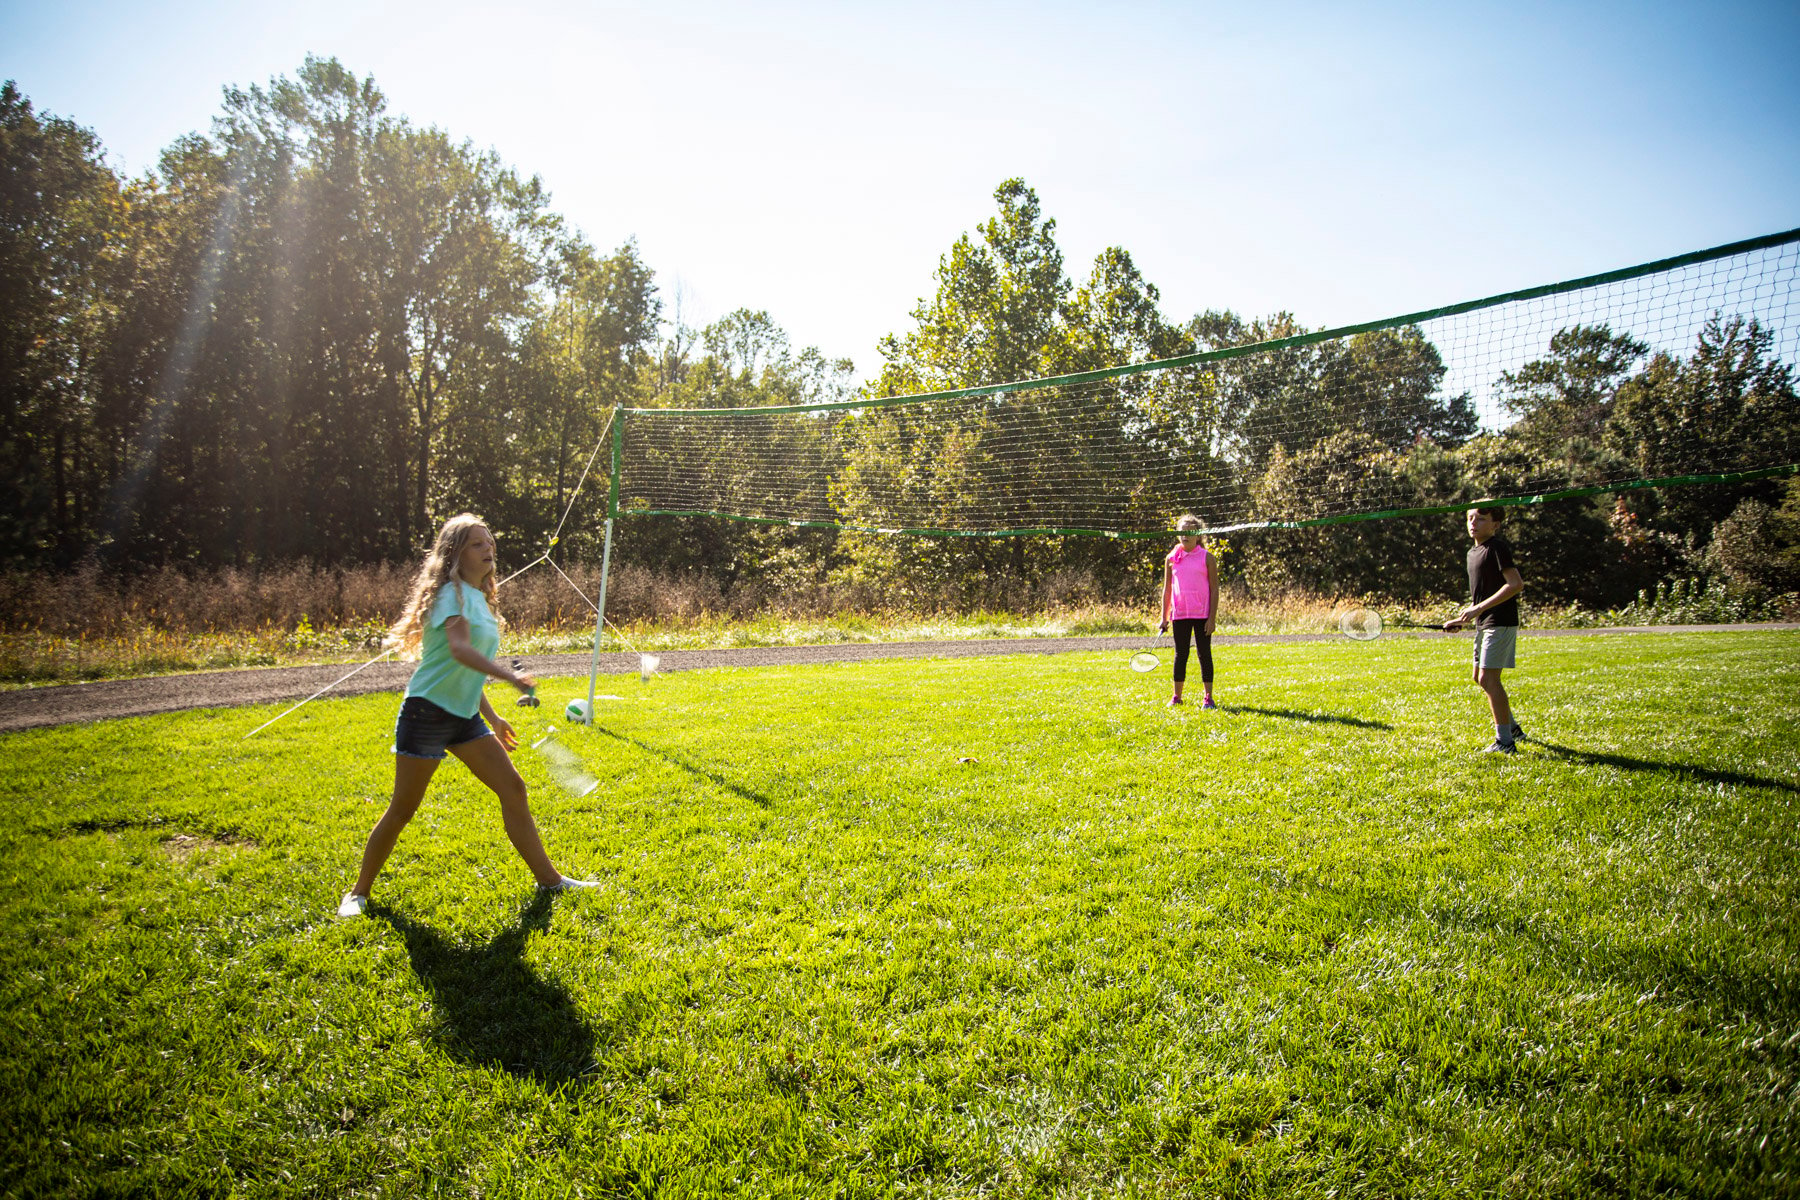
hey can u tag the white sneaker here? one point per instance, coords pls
(353, 905)
(567, 885)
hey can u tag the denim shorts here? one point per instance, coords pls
(423, 729)
(1496, 646)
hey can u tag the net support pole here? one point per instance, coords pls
(612, 514)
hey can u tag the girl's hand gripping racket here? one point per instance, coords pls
(530, 698)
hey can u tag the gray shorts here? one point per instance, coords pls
(1496, 646)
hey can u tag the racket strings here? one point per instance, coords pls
(1360, 624)
(564, 767)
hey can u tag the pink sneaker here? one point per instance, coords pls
(1174, 700)
(1208, 704)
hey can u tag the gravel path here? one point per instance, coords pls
(29, 708)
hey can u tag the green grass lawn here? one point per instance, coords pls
(1002, 926)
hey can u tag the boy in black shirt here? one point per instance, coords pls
(1494, 586)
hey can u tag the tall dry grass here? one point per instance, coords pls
(91, 604)
(89, 625)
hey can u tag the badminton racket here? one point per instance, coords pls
(563, 766)
(1365, 624)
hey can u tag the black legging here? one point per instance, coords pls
(1195, 628)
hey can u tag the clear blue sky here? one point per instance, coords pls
(1343, 162)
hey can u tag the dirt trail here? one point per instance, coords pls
(29, 708)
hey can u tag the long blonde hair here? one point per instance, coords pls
(439, 568)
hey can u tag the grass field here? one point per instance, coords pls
(946, 927)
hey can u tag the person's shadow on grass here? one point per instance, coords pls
(1319, 718)
(491, 1008)
(1626, 763)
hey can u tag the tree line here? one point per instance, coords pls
(312, 333)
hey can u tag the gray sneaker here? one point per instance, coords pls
(1518, 733)
(1500, 747)
(353, 905)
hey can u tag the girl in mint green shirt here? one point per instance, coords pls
(451, 623)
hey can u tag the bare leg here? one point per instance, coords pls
(1498, 701)
(411, 775)
(491, 764)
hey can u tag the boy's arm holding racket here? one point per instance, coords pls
(1515, 583)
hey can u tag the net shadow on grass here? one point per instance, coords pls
(491, 1008)
(1687, 770)
(1321, 718)
(712, 777)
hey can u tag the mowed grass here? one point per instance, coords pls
(949, 927)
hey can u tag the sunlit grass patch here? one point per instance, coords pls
(1007, 925)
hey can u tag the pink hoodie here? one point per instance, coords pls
(1188, 575)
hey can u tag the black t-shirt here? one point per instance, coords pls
(1488, 563)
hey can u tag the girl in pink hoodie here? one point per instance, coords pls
(1190, 598)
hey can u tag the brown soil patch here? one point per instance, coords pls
(182, 847)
